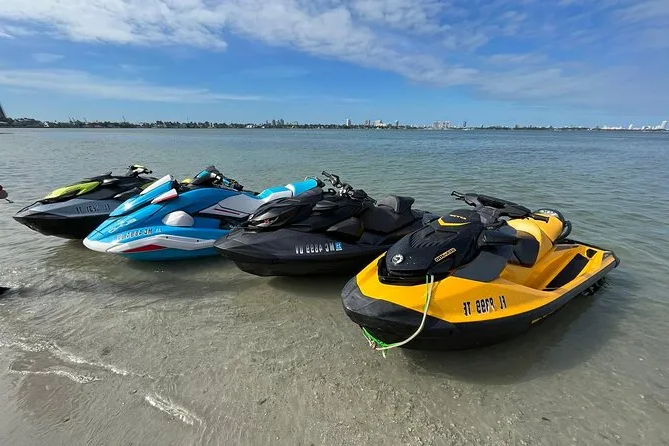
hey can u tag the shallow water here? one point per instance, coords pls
(98, 350)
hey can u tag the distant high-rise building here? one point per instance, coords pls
(441, 125)
(348, 122)
(663, 126)
(3, 116)
(366, 122)
(273, 122)
(397, 123)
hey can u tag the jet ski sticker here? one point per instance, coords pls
(135, 233)
(483, 305)
(317, 248)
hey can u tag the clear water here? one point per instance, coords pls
(99, 350)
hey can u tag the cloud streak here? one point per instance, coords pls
(46, 58)
(81, 83)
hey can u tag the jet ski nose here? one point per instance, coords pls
(35, 218)
(25, 213)
(91, 243)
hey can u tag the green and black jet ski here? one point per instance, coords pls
(74, 211)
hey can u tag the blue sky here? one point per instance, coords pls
(501, 61)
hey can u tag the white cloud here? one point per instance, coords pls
(120, 21)
(420, 16)
(645, 10)
(81, 83)
(436, 42)
(46, 57)
(12, 31)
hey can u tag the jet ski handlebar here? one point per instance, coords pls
(344, 188)
(334, 179)
(503, 208)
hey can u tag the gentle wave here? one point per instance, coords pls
(179, 412)
(80, 379)
(66, 356)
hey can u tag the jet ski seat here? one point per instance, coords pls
(525, 251)
(390, 214)
(398, 204)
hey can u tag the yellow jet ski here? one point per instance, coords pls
(473, 277)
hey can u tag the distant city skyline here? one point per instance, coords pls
(347, 122)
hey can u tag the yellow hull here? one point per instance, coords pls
(465, 313)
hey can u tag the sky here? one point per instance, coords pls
(558, 62)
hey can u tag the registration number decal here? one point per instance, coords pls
(483, 306)
(317, 248)
(93, 208)
(135, 233)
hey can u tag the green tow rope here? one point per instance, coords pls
(379, 345)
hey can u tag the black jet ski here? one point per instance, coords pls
(74, 211)
(473, 277)
(319, 232)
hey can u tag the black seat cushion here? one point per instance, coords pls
(385, 220)
(398, 204)
(525, 251)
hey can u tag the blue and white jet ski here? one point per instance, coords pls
(171, 220)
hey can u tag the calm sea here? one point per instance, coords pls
(98, 350)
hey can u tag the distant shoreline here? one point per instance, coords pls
(4, 129)
(217, 126)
